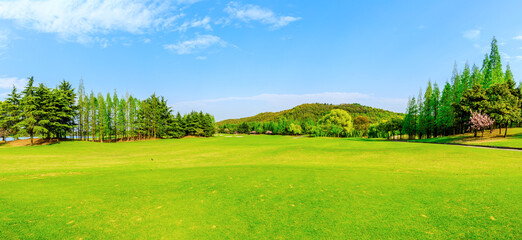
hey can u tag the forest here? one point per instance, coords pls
(308, 119)
(476, 99)
(39, 111)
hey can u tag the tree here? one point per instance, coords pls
(445, 117)
(108, 116)
(93, 103)
(12, 112)
(31, 111)
(115, 108)
(361, 124)
(434, 108)
(3, 121)
(410, 120)
(65, 100)
(494, 72)
(102, 116)
(339, 120)
(503, 105)
(479, 121)
(295, 129)
(81, 110)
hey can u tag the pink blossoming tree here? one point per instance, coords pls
(480, 121)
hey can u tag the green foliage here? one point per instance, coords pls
(307, 117)
(487, 90)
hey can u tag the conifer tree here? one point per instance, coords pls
(115, 107)
(31, 111)
(445, 117)
(81, 110)
(13, 112)
(102, 116)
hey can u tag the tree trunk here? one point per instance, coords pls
(505, 131)
(475, 133)
(31, 139)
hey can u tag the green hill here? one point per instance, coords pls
(316, 111)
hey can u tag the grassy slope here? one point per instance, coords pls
(513, 139)
(259, 187)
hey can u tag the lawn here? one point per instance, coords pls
(513, 138)
(259, 187)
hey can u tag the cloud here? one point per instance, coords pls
(518, 37)
(7, 83)
(231, 107)
(471, 34)
(80, 19)
(202, 23)
(201, 42)
(251, 12)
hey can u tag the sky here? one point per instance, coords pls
(239, 58)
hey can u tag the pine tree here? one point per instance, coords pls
(445, 117)
(93, 102)
(434, 108)
(495, 74)
(31, 111)
(47, 106)
(102, 116)
(427, 111)
(108, 117)
(81, 110)
(13, 112)
(115, 108)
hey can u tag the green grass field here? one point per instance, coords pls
(259, 187)
(513, 139)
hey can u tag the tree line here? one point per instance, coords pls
(336, 123)
(487, 89)
(39, 111)
(311, 119)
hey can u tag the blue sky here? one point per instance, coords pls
(239, 58)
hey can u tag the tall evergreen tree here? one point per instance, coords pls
(445, 117)
(31, 111)
(13, 112)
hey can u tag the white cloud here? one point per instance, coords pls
(518, 37)
(471, 34)
(251, 12)
(202, 23)
(201, 58)
(201, 42)
(80, 19)
(224, 108)
(7, 83)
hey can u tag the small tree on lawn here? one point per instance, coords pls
(480, 121)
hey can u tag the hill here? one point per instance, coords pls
(316, 111)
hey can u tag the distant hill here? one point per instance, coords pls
(316, 111)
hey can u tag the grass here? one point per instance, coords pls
(259, 187)
(513, 139)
